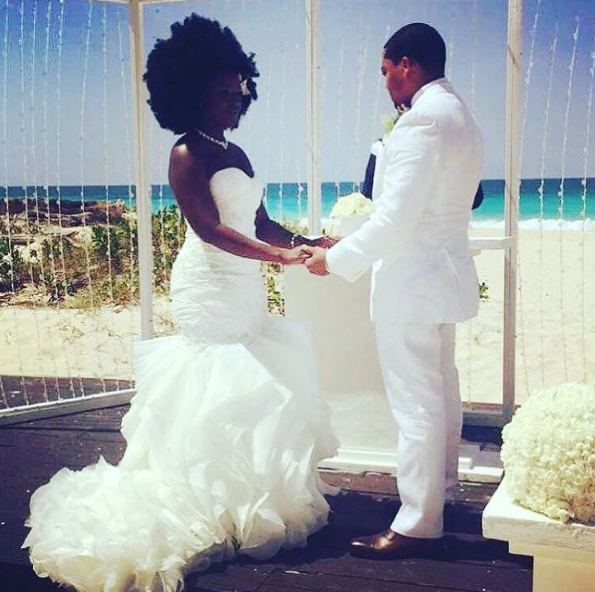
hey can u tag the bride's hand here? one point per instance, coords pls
(294, 256)
(326, 242)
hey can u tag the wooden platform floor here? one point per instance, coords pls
(30, 453)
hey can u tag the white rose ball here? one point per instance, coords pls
(548, 453)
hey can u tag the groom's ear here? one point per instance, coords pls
(407, 65)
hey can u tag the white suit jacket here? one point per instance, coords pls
(416, 241)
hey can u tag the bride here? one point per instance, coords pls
(226, 428)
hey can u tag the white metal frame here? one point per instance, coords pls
(143, 188)
(511, 203)
(508, 243)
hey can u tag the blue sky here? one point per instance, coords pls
(37, 110)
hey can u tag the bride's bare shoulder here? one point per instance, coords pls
(187, 153)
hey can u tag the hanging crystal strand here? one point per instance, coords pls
(25, 151)
(379, 86)
(473, 53)
(151, 156)
(523, 337)
(282, 127)
(180, 227)
(268, 133)
(130, 204)
(282, 130)
(406, 16)
(300, 185)
(471, 325)
(164, 263)
(248, 118)
(31, 111)
(561, 194)
(51, 256)
(323, 81)
(58, 113)
(584, 202)
(5, 140)
(339, 127)
(541, 190)
(389, 30)
(42, 266)
(428, 9)
(299, 153)
(82, 146)
(105, 153)
(362, 60)
(450, 45)
(162, 217)
(8, 221)
(118, 357)
(94, 302)
(129, 168)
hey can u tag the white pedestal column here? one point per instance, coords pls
(339, 315)
(350, 378)
(564, 554)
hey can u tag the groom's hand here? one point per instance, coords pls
(316, 263)
(293, 256)
(326, 242)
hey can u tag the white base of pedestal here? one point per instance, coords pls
(476, 465)
(559, 570)
(564, 554)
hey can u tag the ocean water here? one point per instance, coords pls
(542, 204)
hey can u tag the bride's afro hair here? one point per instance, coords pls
(179, 67)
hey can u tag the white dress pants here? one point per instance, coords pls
(422, 386)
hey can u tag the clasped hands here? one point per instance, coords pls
(313, 255)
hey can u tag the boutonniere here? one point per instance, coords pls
(388, 121)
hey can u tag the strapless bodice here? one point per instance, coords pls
(217, 296)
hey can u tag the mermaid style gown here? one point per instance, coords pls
(223, 436)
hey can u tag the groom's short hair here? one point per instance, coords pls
(421, 43)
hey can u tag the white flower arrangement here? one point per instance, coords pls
(388, 122)
(548, 453)
(354, 204)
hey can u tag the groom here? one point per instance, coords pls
(423, 278)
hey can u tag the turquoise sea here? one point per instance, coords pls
(541, 202)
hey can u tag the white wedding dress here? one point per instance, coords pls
(223, 436)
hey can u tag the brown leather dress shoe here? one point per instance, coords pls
(392, 545)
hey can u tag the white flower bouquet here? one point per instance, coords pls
(352, 211)
(548, 453)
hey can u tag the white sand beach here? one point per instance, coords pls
(555, 319)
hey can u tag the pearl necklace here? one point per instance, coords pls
(223, 143)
